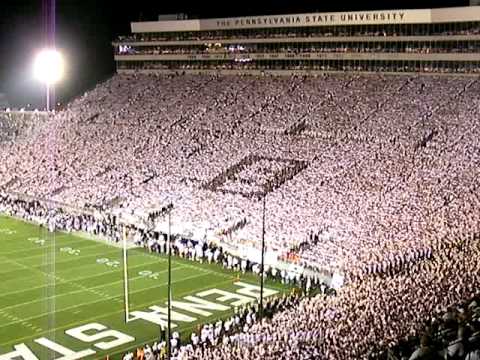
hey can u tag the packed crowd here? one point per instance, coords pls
(54, 216)
(367, 47)
(454, 334)
(17, 124)
(321, 31)
(375, 176)
(227, 331)
(249, 65)
(325, 151)
(108, 226)
(376, 318)
(427, 311)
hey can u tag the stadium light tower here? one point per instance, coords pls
(48, 68)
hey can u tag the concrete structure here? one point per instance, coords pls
(426, 40)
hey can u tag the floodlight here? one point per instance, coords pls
(48, 66)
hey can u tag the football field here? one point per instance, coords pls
(62, 296)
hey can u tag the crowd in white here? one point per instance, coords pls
(390, 185)
(18, 124)
(368, 317)
(391, 171)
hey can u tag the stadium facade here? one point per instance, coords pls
(445, 40)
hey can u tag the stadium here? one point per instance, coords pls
(297, 186)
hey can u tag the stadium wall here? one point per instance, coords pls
(421, 16)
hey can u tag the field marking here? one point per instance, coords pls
(45, 248)
(184, 263)
(106, 314)
(75, 234)
(82, 289)
(192, 266)
(76, 279)
(37, 267)
(16, 263)
(150, 303)
(21, 237)
(53, 246)
(64, 236)
(180, 329)
(21, 321)
(113, 251)
(130, 346)
(34, 267)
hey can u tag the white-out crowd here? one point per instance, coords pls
(389, 194)
(392, 162)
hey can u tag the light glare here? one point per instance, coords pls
(48, 66)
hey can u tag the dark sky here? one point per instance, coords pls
(85, 29)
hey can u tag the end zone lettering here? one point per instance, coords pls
(94, 333)
(22, 351)
(197, 304)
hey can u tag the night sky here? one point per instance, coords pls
(85, 29)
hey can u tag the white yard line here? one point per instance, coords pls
(76, 279)
(102, 300)
(189, 266)
(82, 288)
(95, 318)
(33, 268)
(51, 246)
(159, 259)
(39, 331)
(21, 321)
(74, 258)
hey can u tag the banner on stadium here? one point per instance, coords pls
(417, 16)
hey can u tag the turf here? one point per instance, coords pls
(50, 283)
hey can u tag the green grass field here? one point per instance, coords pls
(52, 283)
